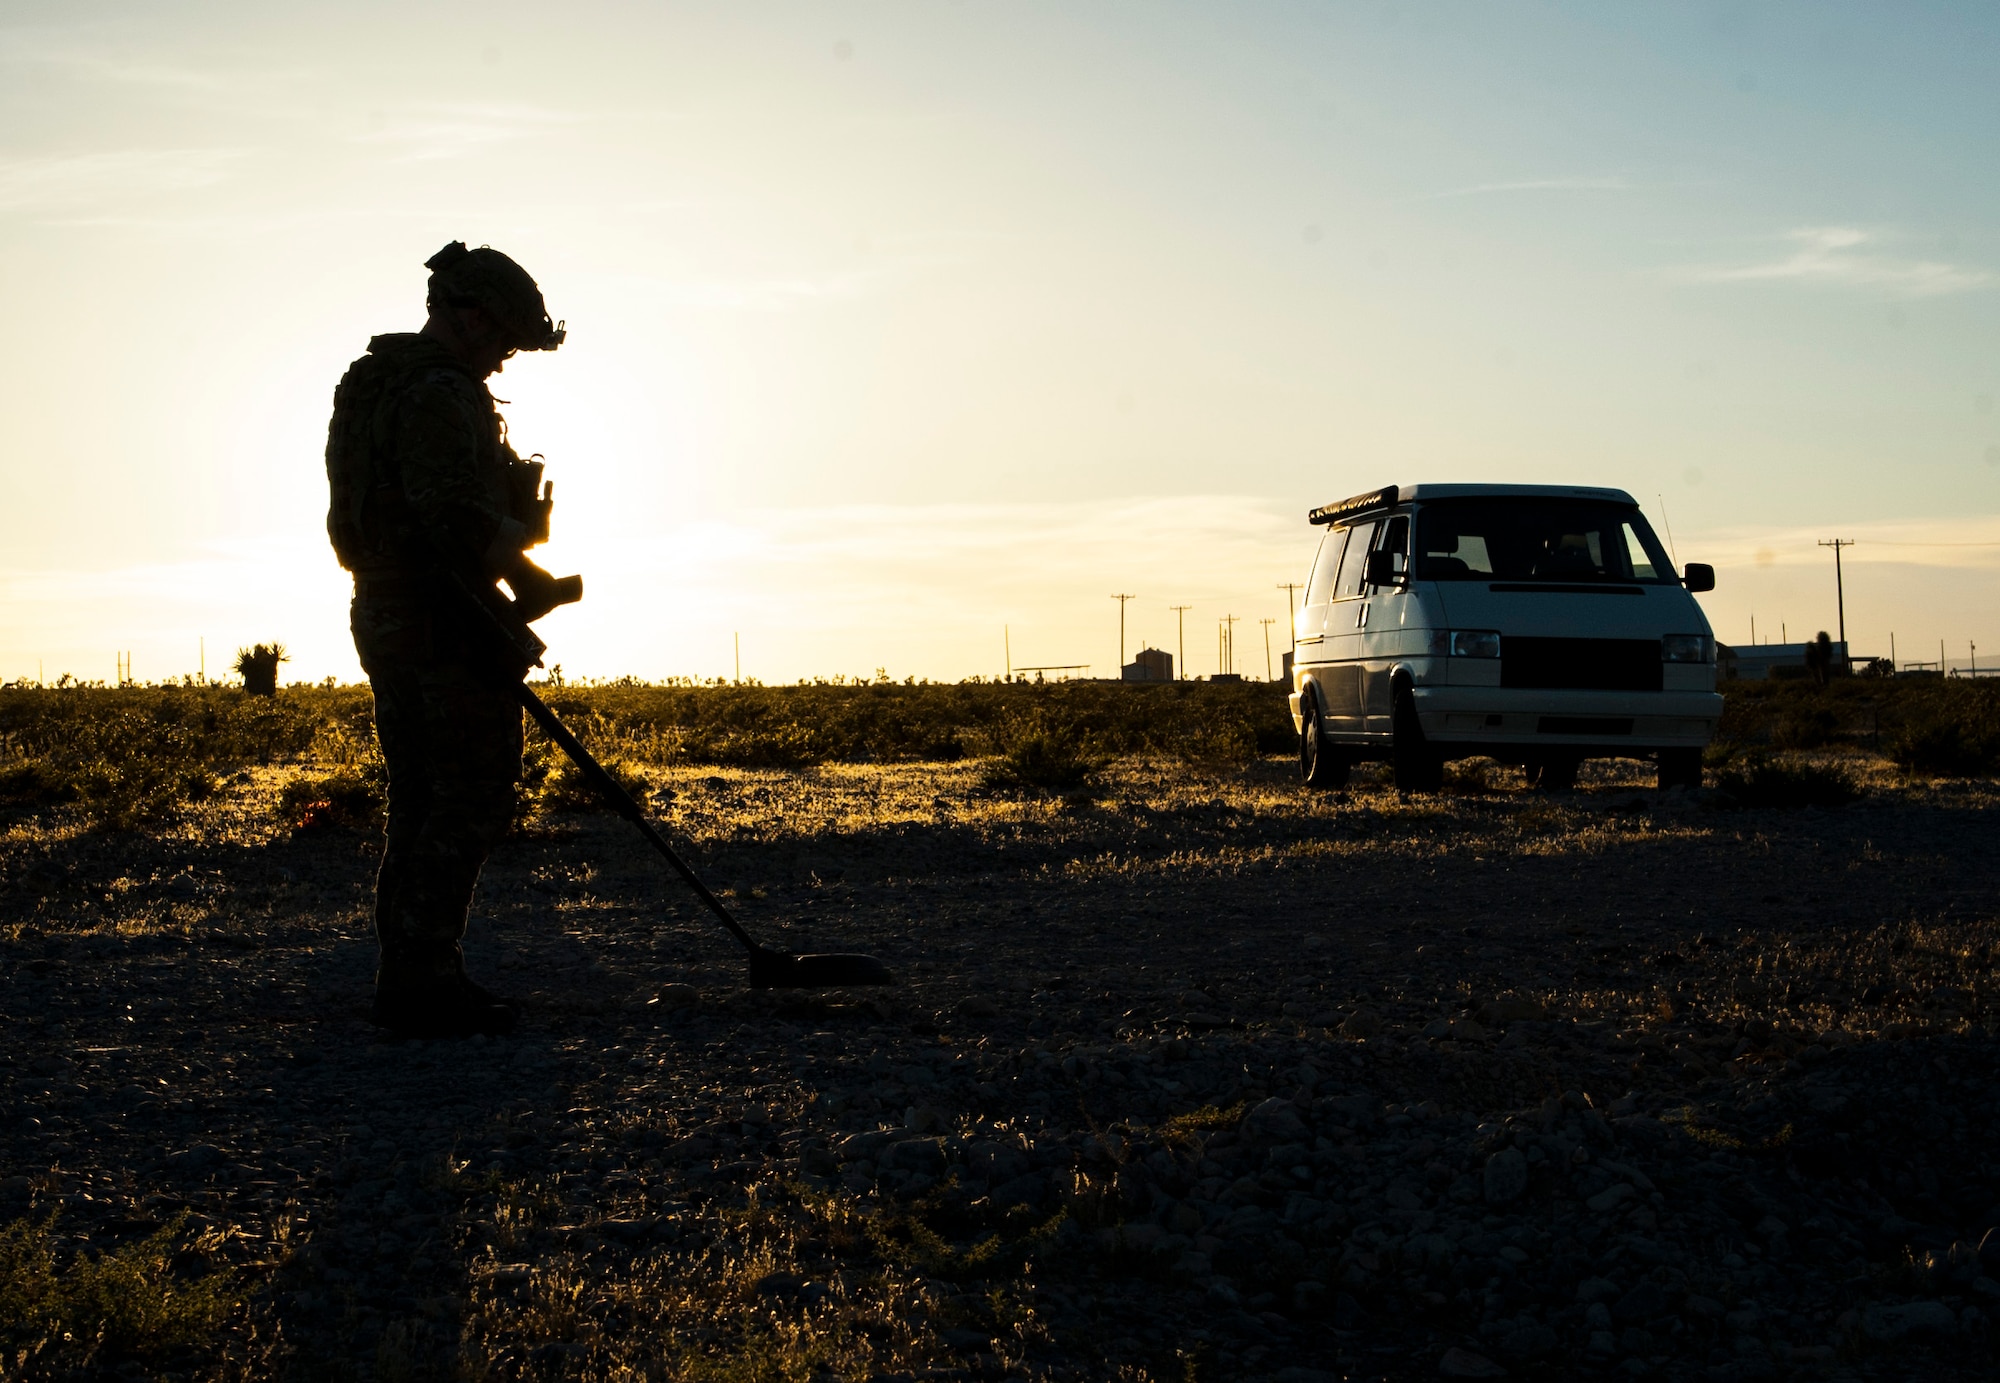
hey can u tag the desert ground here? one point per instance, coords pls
(1193, 1075)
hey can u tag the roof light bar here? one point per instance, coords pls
(1374, 499)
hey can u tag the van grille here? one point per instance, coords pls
(1581, 664)
(1583, 725)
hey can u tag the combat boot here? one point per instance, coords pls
(422, 991)
(452, 1007)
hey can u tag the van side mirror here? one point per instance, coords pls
(1700, 577)
(1382, 569)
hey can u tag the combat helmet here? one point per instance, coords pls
(490, 281)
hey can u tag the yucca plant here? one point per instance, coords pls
(258, 666)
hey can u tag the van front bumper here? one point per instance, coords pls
(1507, 718)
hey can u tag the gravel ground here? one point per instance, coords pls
(1201, 1079)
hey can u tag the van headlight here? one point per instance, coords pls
(1474, 643)
(1687, 648)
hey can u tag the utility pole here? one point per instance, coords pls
(1180, 629)
(1121, 599)
(203, 675)
(1007, 643)
(738, 636)
(1229, 641)
(1291, 615)
(1267, 623)
(1839, 593)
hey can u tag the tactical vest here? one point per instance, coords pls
(368, 518)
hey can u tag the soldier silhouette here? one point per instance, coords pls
(425, 488)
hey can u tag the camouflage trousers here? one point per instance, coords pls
(452, 741)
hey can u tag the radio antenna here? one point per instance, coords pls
(1667, 519)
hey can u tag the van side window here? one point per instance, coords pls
(1635, 551)
(1355, 566)
(1396, 542)
(1319, 587)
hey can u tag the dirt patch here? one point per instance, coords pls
(1193, 1075)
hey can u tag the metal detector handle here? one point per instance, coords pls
(621, 801)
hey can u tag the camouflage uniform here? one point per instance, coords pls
(422, 478)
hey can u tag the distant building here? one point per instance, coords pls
(1774, 661)
(1150, 666)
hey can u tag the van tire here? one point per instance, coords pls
(1680, 768)
(1321, 765)
(1418, 767)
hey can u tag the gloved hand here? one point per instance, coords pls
(536, 592)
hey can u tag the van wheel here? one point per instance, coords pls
(1321, 765)
(1556, 774)
(1680, 768)
(1418, 767)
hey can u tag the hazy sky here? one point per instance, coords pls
(895, 325)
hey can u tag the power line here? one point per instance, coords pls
(1121, 599)
(1291, 615)
(1839, 591)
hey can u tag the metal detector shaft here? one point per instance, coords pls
(769, 969)
(622, 802)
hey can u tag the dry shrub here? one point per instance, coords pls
(1805, 727)
(1473, 776)
(55, 1307)
(1043, 752)
(34, 785)
(1946, 745)
(328, 801)
(134, 757)
(1761, 780)
(551, 784)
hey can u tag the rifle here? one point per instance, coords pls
(507, 633)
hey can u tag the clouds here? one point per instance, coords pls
(447, 131)
(1953, 543)
(924, 589)
(1563, 184)
(1847, 257)
(63, 181)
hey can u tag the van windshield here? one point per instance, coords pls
(1535, 539)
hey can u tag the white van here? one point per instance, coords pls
(1536, 624)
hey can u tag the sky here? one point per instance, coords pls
(904, 336)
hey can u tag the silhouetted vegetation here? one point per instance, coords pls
(133, 757)
(129, 757)
(1948, 727)
(61, 1309)
(125, 758)
(257, 665)
(793, 727)
(343, 798)
(1043, 751)
(1764, 780)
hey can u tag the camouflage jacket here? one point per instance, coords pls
(417, 463)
